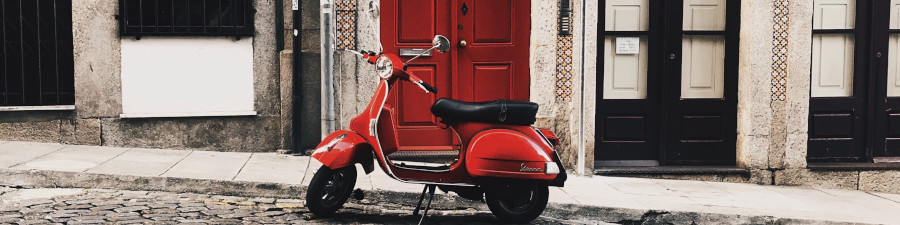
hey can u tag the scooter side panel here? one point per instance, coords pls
(507, 153)
(344, 148)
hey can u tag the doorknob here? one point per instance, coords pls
(463, 43)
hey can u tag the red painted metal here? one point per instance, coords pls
(350, 149)
(550, 136)
(507, 152)
(487, 150)
(497, 151)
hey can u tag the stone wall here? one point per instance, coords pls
(98, 102)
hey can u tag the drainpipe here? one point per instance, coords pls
(327, 34)
(296, 83)
(581, 147)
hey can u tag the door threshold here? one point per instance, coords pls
(670, 170)
(852, 166)
(626, 163)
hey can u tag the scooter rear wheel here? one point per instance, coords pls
(518, 206)
(329, 190)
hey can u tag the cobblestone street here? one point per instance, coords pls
(98, 206)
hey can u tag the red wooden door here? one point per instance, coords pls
(493, 65)
(494, 62)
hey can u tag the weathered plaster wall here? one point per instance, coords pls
(754, 109)
(98, 96)
(590, 77)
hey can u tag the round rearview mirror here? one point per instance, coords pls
(374, 10)
(441, 43)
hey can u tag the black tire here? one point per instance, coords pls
(329, 190)
(518, 206)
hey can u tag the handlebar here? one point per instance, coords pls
(425, 86)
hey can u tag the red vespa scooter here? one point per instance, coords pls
(502, 159)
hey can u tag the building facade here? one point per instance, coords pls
(778, 92)
(156, 74)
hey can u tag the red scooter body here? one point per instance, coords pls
(507, 163)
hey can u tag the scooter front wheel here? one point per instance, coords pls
(329, 190)
(518, 204)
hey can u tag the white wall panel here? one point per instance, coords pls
(704, 15)
(624, 75)
(703, 67)
(187, 76)
(627, 15)
(832, 65)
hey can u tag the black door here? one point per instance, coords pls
(855, 98)
(886, 47)
(628, 114)
(688, 115)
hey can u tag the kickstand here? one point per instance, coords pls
(421, 197)
(431, 189)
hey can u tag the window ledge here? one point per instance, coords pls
(187, 114)
(853, 166)
(670, 170)
(37, 108)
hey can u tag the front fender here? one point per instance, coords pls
(344, 148)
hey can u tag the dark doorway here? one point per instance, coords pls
(668, 82)
(855, 93)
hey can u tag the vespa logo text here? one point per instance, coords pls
(529, 169)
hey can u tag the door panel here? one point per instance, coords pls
(625, 77)
(628, 110)
(701, 100)
(412, 24)
(493, 21)
(415, 20)
(703, 68)
(487, 76)
(832, 65)
(703, 15)
(627, 15)
(887, 104)
(493, 64)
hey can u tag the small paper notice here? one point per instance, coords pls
(628, 45)
(294, 5)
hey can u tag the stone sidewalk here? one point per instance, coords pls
(611, 199)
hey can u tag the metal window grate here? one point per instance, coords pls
(186, 17)
(37, 64)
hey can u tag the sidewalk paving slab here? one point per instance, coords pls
(74, 158)
(141, 162)
(14, 153)
(275, 168)
(209, 165)
(269, 175)
(892, 197)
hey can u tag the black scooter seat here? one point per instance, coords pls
(497, 111)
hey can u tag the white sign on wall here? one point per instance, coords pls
(187, 77)
(628, 45)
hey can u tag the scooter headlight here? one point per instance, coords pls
(384, 67)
